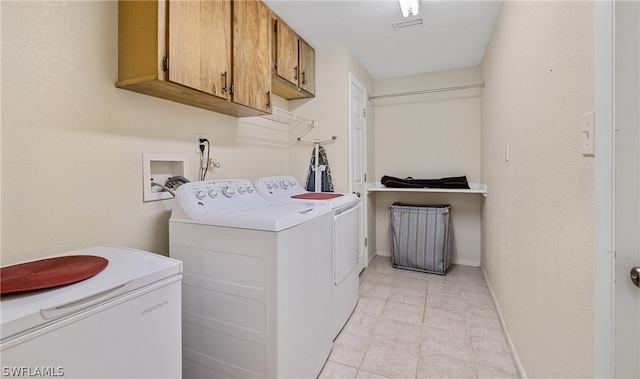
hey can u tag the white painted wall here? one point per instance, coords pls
(431, 136)
(330, 108)
(538, 220)
(72, 142)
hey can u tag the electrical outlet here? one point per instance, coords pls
(198, 138)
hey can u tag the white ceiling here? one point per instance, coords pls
(454, 33)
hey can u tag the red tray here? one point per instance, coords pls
(50, 272)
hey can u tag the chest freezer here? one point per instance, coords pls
(124, 322)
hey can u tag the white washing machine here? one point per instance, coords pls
(124, 322)
(346, 282)
(257, 292)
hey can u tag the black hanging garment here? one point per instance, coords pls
(459, 182)
(323, 167)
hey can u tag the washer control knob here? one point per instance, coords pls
(284, 184)
(275, 185)
(249, 189)
(200, 195)
(269, 186)
(241, 190)
(292, 183)
(213, 193)
(228, 191)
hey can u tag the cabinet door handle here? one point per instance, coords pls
(295, 71)
(268, 99)
(224, 88)
(165, 64)
(304, 77)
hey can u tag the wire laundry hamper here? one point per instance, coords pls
(421, 237)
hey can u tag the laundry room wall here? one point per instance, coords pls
(538, 220)
(72, 143)
(330, 108)
(431, 135)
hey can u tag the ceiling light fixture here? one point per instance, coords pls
(409, 7)
(412, 23)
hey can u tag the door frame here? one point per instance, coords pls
(604, 262)
(605, 200)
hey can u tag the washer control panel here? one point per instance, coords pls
(218, 194)
(278, 187)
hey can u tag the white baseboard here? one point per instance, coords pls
(466, 263)
(383, 253)
(455, 262)
(521, 373)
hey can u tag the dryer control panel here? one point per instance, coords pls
(279, 187)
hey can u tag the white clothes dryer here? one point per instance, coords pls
(346, 281)
(256, 287)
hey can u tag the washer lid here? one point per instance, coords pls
(235, 203)
(127, 270)
(272, 216)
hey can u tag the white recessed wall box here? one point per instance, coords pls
(157, 168)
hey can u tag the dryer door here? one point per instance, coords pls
(345, 247)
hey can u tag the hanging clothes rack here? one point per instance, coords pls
(285, 117)
(317, 168)
(434, 90)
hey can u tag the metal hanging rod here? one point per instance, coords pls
(480, 85)
(317, 141)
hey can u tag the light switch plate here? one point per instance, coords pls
(587, 132)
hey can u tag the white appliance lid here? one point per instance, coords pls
(283, 187)
(127, 270)
(235, 203)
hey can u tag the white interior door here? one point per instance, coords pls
(627, 188)
(357, 158)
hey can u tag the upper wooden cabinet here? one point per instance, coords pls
(252, 54)
(294, 67)
(183, 51)
(285, 52)
(200, 45)
(307, 59)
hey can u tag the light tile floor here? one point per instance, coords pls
(411, 324)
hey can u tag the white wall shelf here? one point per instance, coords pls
(285, 117)
(477, 188)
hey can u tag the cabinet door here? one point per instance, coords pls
(251, 55)
(286, 53)
(200, 45)
(307, 67)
